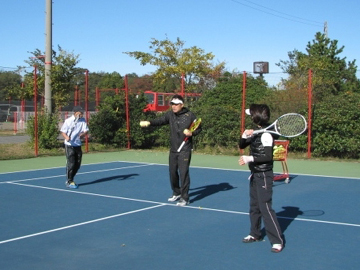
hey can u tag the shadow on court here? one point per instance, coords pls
(287, 216)
(208, 190)
(116, 177)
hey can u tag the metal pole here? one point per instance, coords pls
(127, 111)
(87, 108)
(243, 107)
(309, 112)
(36, 113)
(48, 55)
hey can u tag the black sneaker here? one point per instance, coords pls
(251, 239)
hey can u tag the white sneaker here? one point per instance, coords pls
(174, 198)
(182, 202)
(276, 248)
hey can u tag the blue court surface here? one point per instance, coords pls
(120, 218)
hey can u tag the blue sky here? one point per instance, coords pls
(238, 32)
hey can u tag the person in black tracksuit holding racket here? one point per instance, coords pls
(179, 118)
(260, 163)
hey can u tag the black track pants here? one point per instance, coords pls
(261, 207)
(179, 164)
(73, 161)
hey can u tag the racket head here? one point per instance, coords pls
(195, 124)
(290, 125)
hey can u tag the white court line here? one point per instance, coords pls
(193, 207)
(87, 193)
(200, 167)
(62, 175)
(59, 167)
(77, 224)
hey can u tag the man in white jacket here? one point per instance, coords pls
(73, 129)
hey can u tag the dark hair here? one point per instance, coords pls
(260, 114)
(178, 97)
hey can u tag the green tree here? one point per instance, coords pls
(109, 126)
(48, 130)
(111, 80)
(109, 84)
(140, 84)
(10, 82)
(336, 128)
(63, 76)
(172, 60)
(331, 73)
(220, 109)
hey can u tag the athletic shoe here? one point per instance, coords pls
(251, 239)
(182, 202)
(276, 248)
(174, 198)
(71, 184)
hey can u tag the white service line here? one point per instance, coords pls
(62, 175)
(189, 206)
(87, 193)
(77, 224)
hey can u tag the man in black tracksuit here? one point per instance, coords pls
(179, 118)
(260, 163)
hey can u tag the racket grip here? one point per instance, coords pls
(181, 146)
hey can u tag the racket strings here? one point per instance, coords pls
(291, 125)
(195, 125)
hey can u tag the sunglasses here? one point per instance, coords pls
(174, 104)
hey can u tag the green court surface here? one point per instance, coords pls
(296, 166)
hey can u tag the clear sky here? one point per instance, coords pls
(238, 32)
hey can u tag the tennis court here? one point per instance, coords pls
(120, 218)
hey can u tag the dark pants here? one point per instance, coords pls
(73, 161)
(261, 207)
(179, 164)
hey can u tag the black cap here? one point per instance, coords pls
(78, 109)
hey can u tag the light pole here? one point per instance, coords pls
(48, 55)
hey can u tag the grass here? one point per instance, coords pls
(26, 150)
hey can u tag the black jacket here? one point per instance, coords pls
(178, 122)
(263, 156)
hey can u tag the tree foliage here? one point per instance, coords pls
(63, 75)
(331, 74)
(335, 104)
(336, 127)
(10, 82)
(48, 130)
(172, 60)
(220, 109)
(109, 126)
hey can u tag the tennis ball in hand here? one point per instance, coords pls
(186, 131)
(144, 123)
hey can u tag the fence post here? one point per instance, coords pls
(243, 108)
(309, 112)
(36, 113)
(127, 111)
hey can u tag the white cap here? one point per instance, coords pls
(176, 101)
(247, 111)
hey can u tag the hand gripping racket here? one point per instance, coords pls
(288, 125)
(73, 127)
(194, 125)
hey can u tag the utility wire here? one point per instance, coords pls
(289, 17)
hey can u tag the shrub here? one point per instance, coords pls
(48, 130)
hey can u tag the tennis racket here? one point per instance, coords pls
(73, 126)
(194, 125)
(288, 125)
